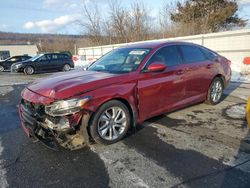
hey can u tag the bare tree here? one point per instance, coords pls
(92, 23)
(119, 21)
(140, 22)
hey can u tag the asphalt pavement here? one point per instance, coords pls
(199, 146)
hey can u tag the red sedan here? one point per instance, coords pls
(121, 90)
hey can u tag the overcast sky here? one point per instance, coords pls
(59, 16)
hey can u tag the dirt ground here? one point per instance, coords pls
(199, 146)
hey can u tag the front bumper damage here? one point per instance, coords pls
(69, 132)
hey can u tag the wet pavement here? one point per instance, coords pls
(199, 146)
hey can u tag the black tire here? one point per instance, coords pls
(210, 94)
(66, 67)
(29, 70)
(94, 126)
(1, 68)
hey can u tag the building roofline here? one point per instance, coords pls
(18, 45)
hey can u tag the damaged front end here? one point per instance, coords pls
(67, 129)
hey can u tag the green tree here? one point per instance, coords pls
(202, 16)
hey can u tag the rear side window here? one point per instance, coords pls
(209, 54)
(167, 55)
(191, 54)
(55, 57)
(63, 56)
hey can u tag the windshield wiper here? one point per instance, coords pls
(101, 70)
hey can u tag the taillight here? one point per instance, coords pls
(229, 62)
(74, 58)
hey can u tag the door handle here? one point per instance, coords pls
(209, 66)
(180, 72)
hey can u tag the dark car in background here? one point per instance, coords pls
(46, 62)
(6, 64)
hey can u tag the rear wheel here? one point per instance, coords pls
(1, 68)
(66, 67)
(29, 70)
(215, 91)
(110, 123)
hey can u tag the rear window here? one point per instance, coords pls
(191, 54)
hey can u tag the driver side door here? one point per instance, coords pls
(43, 63)
(160, 92)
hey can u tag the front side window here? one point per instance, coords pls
(36, 57)
(122, 60)
(45, 57)
(167, 55)
(191, 54)
(25, 58)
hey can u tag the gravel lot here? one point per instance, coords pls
(199, 146)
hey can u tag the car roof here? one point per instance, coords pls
(20, 56)
(156, 44)
(49, 53)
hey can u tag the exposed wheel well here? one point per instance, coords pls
(221, 77)
(124, 102)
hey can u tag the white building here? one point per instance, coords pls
(7, 50)
(235, 45)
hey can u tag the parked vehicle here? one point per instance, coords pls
(44, 63)
(121, 90)
(248, 112)
(6, 64)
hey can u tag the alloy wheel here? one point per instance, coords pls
(112, 123)
(216, 91)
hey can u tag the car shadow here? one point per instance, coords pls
(193, 168)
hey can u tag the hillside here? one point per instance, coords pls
(45, 42)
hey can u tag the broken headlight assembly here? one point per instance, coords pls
(66, 107)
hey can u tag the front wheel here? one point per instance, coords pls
(215, 91)
(29, 70)
(110, 123)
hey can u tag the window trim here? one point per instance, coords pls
(203, 49)
(182, 56)
(151, 56)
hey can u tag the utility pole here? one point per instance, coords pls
(75, 49)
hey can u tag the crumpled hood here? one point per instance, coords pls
(66, 85)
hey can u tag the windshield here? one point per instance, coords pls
(120, 60)
(35, 57)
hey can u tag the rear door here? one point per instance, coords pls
(198, 72)
(161, 91)
(56, 61)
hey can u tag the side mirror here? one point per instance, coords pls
(156, 67)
